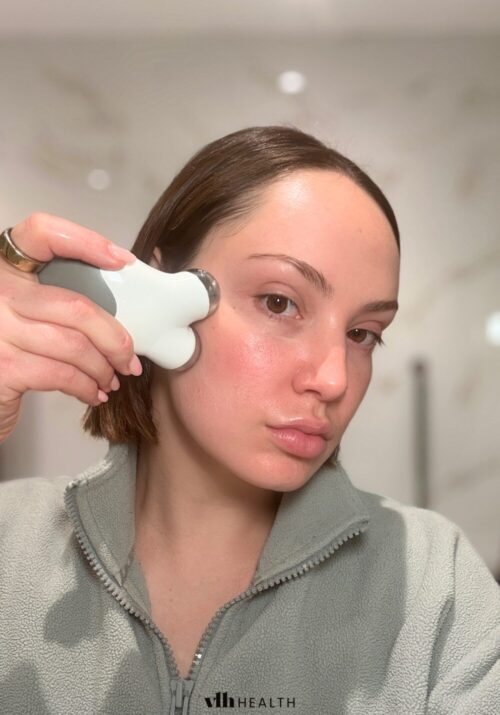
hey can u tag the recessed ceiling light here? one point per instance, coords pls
(98, 179)
(291, 82)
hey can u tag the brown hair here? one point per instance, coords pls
(220, 183)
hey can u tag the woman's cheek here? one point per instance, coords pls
(241, 356)
(248, 359)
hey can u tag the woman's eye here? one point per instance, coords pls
(276, 302)
(375, 338)
(275, 308)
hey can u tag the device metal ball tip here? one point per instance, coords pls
(211, 286)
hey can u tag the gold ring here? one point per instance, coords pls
(16, 257)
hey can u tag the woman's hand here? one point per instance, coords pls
(52, 338)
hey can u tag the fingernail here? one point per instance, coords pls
(121, 253)
(102, 396)
(135, 366)
(115, 383)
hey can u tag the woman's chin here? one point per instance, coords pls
(282, 473)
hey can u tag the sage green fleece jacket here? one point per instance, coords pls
(359, 605)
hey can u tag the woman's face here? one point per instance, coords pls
(268, 360)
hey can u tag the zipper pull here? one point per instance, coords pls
(176, 690)
(188, 686)
(181, 691)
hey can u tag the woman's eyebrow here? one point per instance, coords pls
(318, 280)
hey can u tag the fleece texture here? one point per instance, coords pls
(359, 605)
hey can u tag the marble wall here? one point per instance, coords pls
(421, 116)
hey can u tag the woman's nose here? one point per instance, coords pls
(325, 373)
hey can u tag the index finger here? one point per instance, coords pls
(43, 236)
(63, 307)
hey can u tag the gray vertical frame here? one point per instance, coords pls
(420, 379)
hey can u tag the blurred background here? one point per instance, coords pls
(102, 103)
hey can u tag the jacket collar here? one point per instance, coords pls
(101, 504)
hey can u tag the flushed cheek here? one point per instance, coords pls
(358, 379)
(248, 366)
(234, 377)
(236, 373)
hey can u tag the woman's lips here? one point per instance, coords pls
(298, 443)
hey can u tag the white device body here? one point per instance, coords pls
(155, 307)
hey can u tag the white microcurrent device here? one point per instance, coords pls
(155, 307)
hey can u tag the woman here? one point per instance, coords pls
(219, 556)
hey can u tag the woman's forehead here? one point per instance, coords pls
(309, 206)
(325, 200)
(316, 216)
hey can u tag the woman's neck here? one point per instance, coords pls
(183, 508)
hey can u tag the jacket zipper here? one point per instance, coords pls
(181, 692)
(181, 687)
(294, 572)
